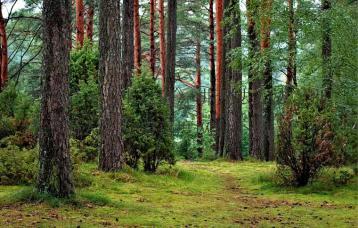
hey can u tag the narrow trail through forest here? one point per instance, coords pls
(191, 194)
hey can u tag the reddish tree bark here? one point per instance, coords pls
(212, 65)
(199, 104)
(4, 57)
(137, 39)
(80, 22)
(90, 20)
(219, 54)
(152, 38)
(162, 43)
(268, 121)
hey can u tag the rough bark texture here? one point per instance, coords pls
(170, 56)
(219, 74)
(128, 45)
(111, 143)
(4, 57)
(90, 20)
(234, 97)
(212, 65)
(162, 43)
(326, 50)
(255, 85)
(268, 115)
(219, 55)
(199, 103)
(151, 36)
(137, 39)
(55, 162)
(80, 22)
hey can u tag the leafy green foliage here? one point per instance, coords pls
(17, 166)
(83, 65)
(84, 111)
(147, 131)
(18, 115)
(84, 88)
(314, 142)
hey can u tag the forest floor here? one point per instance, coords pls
(192, 194)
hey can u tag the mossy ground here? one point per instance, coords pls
(198, 194)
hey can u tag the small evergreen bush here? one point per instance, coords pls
(147, 131)
(313, 144)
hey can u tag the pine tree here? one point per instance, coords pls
(111, 80)
(55, 162)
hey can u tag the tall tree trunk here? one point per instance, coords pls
(170, 56)
(80, 22)
(90, 20)
(162, 43)
(55, 162)
(127, 41)
(111, 81)
(255, 85)
(219, 68)
(137, 39)
(212, 66)
(234, 98)
(199, 103)
(285, 128)
(326, 50)
(4, 57)
(152, 38)
(268, 121)
(292, 51)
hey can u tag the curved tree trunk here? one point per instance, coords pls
(212, 66)
(162, 43)
(111, 143)
(90, 20)
(170, 56)
(199, 104)
(137, 39)
(151, 36)
(268, 121)
(4, 57)
(127, 41)
(234, 98)
(55, 162)
(80, 22)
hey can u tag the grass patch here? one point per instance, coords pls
(202, 194)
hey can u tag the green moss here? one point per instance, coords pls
(204, 194)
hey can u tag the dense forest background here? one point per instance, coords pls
(138, 85)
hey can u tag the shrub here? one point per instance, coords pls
(83, 66)
(312, 144)
(18, 166)
(147, 131)
(84, 112)
(17, 112)
(20, 139)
